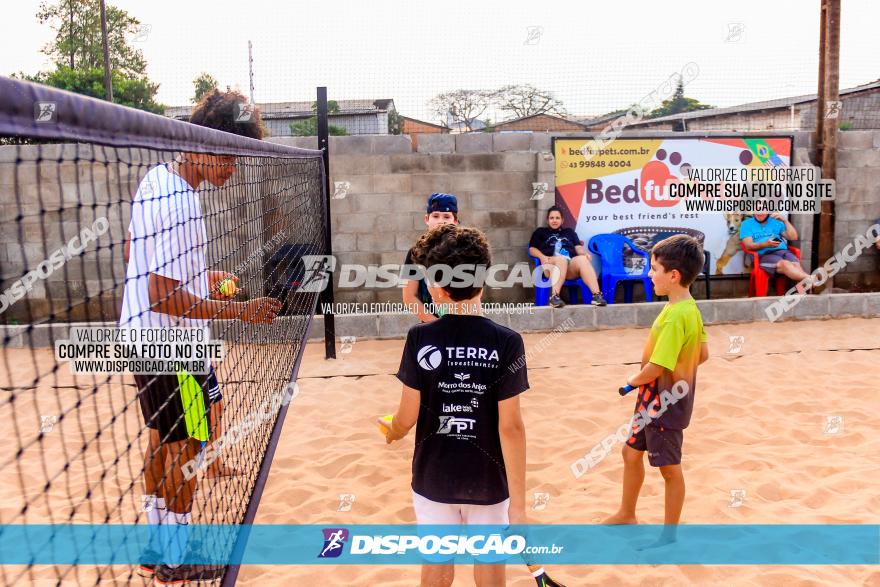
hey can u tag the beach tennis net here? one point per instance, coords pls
(117, 221)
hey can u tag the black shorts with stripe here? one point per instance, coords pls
(178, 405)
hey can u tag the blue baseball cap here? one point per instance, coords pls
(442, 203)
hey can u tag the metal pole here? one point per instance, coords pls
(827, 122)
(327, 294)
(108, 81)
(251, 68)
(70, 33)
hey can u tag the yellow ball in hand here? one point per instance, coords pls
(385, 424)
(227, 288)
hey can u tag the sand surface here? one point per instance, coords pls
(759, 425)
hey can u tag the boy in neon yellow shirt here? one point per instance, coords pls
(667, 382)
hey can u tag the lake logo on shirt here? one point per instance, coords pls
(429, 357)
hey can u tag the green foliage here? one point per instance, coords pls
(332, 107)
(203, 84)
(846, 125)
(77, 43)
(78, 54)
(309, 128)
(134, 92)
(677, 104)
(395, 122)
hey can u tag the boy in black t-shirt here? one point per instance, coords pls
(462, 376)
(442, 209)
(559, 247)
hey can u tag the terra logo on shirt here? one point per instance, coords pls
(429, 357)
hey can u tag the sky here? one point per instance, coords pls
(594, 55)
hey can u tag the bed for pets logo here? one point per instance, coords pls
(655, 179)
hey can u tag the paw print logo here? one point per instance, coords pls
(656, 177)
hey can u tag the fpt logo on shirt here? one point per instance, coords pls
(455, 425)
(429, 357)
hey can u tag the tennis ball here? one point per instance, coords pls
(227, 287)
(385, 426)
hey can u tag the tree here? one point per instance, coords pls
(78, 43)
(527, 100)
(679, 103)
(137, 93)
(309, 126)
(203, 84)
(395, 122)
(461, 106)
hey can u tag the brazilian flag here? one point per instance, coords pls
(763, 152)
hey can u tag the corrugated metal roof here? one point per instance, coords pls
(753, 106)
(556, 116)
(302, 109)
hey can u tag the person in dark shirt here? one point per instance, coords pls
(559, 247)
(442, 209)
(462, 376)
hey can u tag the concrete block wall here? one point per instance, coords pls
(857, 206)
(49, 193)
(376, 222)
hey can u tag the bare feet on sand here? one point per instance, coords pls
(621, 518)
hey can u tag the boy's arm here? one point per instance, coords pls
(167, 297)
(414, 304)
(704, 352)
(649, 373)
(127, 248)
(407, 414)
(513, 447)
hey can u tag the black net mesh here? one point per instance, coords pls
(76, 447)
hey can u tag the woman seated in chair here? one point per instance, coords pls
(555, 246)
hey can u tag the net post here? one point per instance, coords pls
(326, 297)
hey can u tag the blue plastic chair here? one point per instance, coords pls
(543, 287)
(609, 247)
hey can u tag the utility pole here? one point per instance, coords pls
(251, 68)
(828, 108)
(70, 32)
(108, 80)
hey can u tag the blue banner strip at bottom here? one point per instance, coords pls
(270, 544)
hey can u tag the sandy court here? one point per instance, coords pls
(759, 425)
(102, 439)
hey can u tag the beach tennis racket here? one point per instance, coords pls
(626, 389)
(542, 578)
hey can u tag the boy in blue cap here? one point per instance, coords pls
(442, 209)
